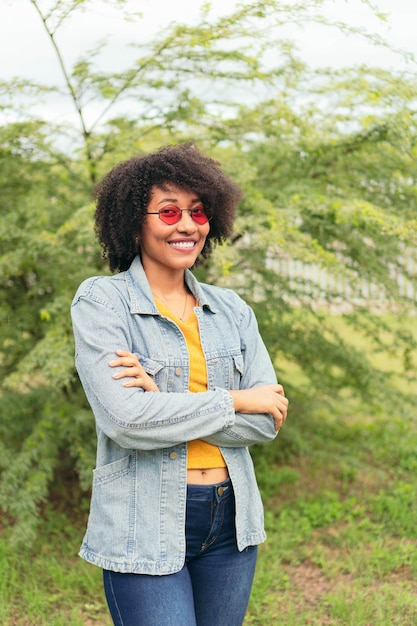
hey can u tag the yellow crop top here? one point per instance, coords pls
(201, 455)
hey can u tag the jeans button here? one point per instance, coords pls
(173, 456)
(220, 491)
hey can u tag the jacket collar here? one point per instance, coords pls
(141, 299)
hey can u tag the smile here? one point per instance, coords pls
(182, 244)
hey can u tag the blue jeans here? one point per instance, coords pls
(213, 587)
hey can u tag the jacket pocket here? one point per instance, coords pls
(111, 471)
(155, 369)
(150, 366)
(112, 513)
(234, 365)
(226, 370)
(238, 367)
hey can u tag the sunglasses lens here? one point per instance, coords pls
(170, 215)
(199, 216)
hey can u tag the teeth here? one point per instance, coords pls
(183, 244)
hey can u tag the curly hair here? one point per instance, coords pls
(123, 195)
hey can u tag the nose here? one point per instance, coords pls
(186, 222)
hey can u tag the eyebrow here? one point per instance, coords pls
(175, 200)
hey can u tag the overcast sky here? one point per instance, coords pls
(25, 50)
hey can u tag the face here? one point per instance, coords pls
(172, 246)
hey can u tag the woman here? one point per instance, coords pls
(180, 384)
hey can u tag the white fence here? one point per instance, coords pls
(322, 287)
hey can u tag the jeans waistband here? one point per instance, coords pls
(215, 492)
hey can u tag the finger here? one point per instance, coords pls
(125, 362)
(279, 421)
(283, 406)
(134, 382)
(131, 372)
(276, 414)
(283, 409)
(282, 401)
(281, 415)
(119, 362)
(278, 388)
(147, 384)
(124, 353)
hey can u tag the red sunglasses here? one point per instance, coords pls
(172, 214)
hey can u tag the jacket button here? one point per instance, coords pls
(173, 455)
(178, 371)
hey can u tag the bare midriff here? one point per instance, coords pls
(209, 476)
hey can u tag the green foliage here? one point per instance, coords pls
(340, 519)
(327, 163)
(341, 538)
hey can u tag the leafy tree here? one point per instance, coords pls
(182, 75)
(334, 179)
(327, 164)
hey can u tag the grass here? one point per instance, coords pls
(46, 584)
(342, 534)
(339, 492)
(341, 549)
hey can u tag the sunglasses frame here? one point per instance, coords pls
(179, 212)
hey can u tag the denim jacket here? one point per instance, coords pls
(137, 513)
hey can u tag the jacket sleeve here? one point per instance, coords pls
(133, 418)
(257, 370)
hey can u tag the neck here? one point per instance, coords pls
(166, 283)
(176, 298)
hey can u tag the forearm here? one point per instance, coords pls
(246, 431)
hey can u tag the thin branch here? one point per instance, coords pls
(71, 89)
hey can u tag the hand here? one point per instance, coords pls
(264, 399)
(134, 372)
